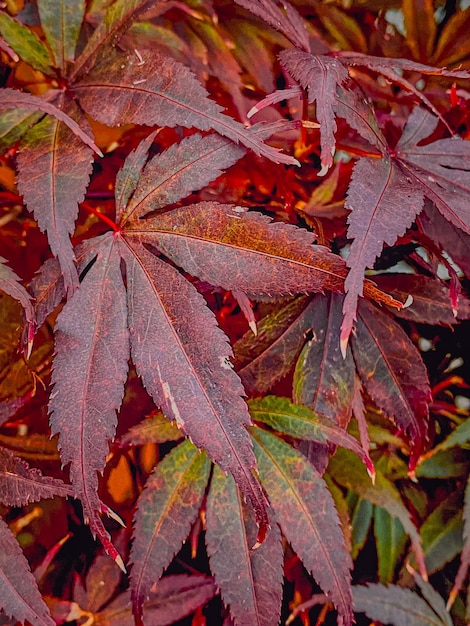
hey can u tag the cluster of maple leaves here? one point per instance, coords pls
(130, 295)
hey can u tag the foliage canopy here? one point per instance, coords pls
(235, 245)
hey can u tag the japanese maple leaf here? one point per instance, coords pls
(55, 159)
(157, 315)
(387, 193)
(327, 77)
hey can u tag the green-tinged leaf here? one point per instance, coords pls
(342, 26)
(25, 43)
(263, 359)
(10, 284)
(307, 516)
(465, 555)
(458, 437)
(342, 507)
(165, 512)
(174, 598)
(61, 21)
(90, 369)
(222, 63)
(13, 99)
(54, 168)
(361, 520)
(184, 167)
(441, 533)
(393, 373)
(434, 600)
(390, 540)
(421, 26)
(449, 463)
(323, 379)
(453, 44)
(250, 40)
(128, 176)
(346, 469)
(14, 124)
(160, 91)
(21, 484)
(183, 359)
(301, 422)
(118, 18)
(19, 594)
(395, 605)
(250, 581)
(156, 429)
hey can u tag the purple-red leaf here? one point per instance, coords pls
(242, 250)
(262, 360)
(378, 64)
(441, 169)
(390, 68)
(250, 581)
(431, 298)
(323, 380)
(90, 369)
(128, 176)
(10, 284)
(393, 373)
(173, 598)
(450, 238)
(184, 167)
(156, 429)
(397, 606)
(54, 167)
(183, 359)
(321, 76)
(165, 512)
(19, 594)
(160, 90)
(288, 22)
(306, 513)
(13, 99)
(21, 484)
(376, 187)
(48, 289)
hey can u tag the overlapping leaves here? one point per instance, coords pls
(142, 90)
(402, 176)
(299, 498)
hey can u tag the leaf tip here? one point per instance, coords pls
(408, 302)
(262, 534)
(324, 169)
(370, 470)
(254, 109)
(110, 513)
(343, 343)
(120, 563)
